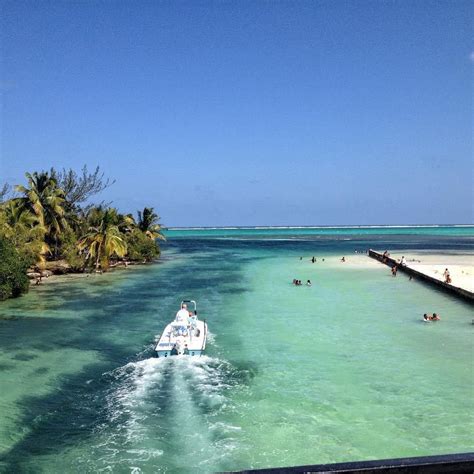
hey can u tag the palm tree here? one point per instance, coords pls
(45, 200)
(148, 224)
(103, 239)
(22, 228)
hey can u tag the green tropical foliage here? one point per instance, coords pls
(43, 198)
(51, 220)
(148, 224)
(13, 266)
(21, 227)
(140, 247)
(104, 239)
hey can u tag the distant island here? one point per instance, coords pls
(50, 226)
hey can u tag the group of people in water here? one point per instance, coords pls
(431, 317)
(313, 259)
(299, 282)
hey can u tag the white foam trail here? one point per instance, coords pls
(168, 407)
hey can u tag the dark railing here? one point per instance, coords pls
(445, 464)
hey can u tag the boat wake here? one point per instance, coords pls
(169, 412)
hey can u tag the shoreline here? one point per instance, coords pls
(72, 276)
(430, 268)
(460, 266)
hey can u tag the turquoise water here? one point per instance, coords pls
(343, 370)
(312, 232)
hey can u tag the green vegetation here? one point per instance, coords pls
(51, 219)
(13, 279)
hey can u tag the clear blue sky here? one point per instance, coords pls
(247, 112)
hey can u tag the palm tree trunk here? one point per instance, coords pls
(97, 260)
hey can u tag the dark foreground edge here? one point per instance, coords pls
(449, 463)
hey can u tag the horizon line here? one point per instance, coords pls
(347, 226)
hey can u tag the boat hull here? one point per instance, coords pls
(167, 353)
(178, 339)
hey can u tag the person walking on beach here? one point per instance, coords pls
(447, 276)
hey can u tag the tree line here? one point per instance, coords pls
(51, 219)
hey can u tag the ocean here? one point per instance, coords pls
(343, 370)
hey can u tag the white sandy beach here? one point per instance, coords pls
(460, 266)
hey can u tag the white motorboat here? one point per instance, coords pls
(186, 335)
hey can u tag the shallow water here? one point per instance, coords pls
(343, 370)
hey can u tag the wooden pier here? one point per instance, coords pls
(387, 260)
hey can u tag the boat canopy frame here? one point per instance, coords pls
(190, 302)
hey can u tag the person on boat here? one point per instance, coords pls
(192, 322)
(174, 350)
(186, 350)
(183, 314)
(403, 262)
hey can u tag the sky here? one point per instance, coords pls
(240, 112)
